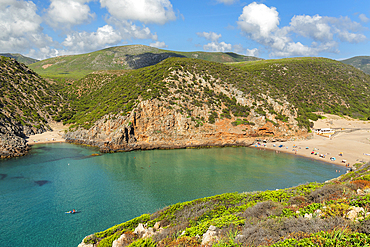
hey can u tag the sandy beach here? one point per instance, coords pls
(49, 136)
(349, 144)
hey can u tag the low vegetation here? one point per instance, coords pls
(25, 98)
(301, 86)
(359, 62)
(314, 214)
(314, 84)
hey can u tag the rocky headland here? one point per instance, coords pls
(153, 125)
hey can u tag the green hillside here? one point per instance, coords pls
(314, 84)
(361, 62)
(20, 58)
(120, 58)
(90, 100)
(25, 98)
(307, 84)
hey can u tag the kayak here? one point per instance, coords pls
(71, 212)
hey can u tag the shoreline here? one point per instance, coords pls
(351, 140)
(54, 136)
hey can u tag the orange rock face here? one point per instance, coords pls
(153, 124)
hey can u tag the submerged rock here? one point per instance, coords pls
(42, 182)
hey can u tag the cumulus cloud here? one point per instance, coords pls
(20, 27)
(146, 11)
(210, 36)
(315, 27)
(258, 20)
(105, 36)
(261, 24)
(158, 44)
(84, 41)
(363, 18)
(252, 52)
(218, 47)
(67, 13)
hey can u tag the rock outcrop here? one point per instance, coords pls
(153, 125)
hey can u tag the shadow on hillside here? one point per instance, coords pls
(148, 59)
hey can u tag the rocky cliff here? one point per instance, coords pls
(26, 104)
(153, 125)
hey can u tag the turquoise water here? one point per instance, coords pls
(37, 189)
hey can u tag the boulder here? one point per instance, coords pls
(120, 242)
(210, 236)
(144, 232)
(353, 213)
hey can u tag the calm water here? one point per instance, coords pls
(37, 189)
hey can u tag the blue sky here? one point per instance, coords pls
(267, 29)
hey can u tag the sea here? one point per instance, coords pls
(37, 189)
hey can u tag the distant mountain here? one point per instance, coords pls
(121, 58)
(361, 62)
(20, 58)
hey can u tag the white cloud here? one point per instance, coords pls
(218, 47)
(261, 24)
(364, 18)
(158, 44)
(258, 20)
(105, 36)
(85, 41)
(315, 27)
(210, 36)
(252, 52)
(146, 11)
(67, 13)
(20, 28)
(238, 48)
(346, 36)
(227, 1)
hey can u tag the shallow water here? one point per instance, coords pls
(36, 190)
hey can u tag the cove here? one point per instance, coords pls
(36, 190)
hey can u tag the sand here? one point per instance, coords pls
(49, 136)
(352, 138)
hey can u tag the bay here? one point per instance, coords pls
(36, 190)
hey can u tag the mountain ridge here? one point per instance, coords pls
(360, 62)
(120, 58)
(20, 58)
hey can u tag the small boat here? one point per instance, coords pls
(71, 212)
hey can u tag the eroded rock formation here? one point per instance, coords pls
(154, 125)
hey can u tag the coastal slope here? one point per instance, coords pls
(185, 102)
(177, 103)
(27, 103)
(182, 102)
